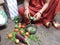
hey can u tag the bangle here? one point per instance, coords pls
(40, 12)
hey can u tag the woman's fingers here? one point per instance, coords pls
(26, 15)
(36, 17)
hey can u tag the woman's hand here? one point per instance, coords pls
(26, 13)
(37, 16)
(26, 5)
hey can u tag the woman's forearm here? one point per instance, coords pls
(26, 4)
(45, 6)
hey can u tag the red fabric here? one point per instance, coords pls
(36, 5)
(58, 7)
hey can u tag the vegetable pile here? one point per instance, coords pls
(24, 33)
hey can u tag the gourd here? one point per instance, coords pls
(31, 28)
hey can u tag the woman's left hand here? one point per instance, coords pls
(37, 16)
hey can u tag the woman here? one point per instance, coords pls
(41, 10)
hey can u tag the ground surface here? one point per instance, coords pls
(49, 36)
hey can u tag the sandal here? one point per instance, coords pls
(56, 24)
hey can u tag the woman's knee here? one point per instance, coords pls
(21, 10)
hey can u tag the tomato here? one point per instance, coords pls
(15, 30)
(19, 25)
(27, 33)
(10, 35)
(21, 32)
(23, 26)
(26, 37)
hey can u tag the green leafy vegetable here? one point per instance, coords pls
(14, 36)
(35, 38)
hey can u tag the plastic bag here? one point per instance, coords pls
(3, 18)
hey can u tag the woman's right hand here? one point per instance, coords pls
(26, 13)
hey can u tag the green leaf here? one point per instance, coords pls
(14, 36)
(28, 41)
(16, 25)
(35, 38)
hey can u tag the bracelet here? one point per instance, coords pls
(40, 12)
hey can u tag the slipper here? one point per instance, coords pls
(56, 24)
(47, 25)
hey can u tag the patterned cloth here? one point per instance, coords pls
(13, 9)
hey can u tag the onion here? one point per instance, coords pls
(10, 35)
(17, 41)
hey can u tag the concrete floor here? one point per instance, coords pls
(49, 36)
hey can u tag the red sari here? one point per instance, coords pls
(35, 6)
